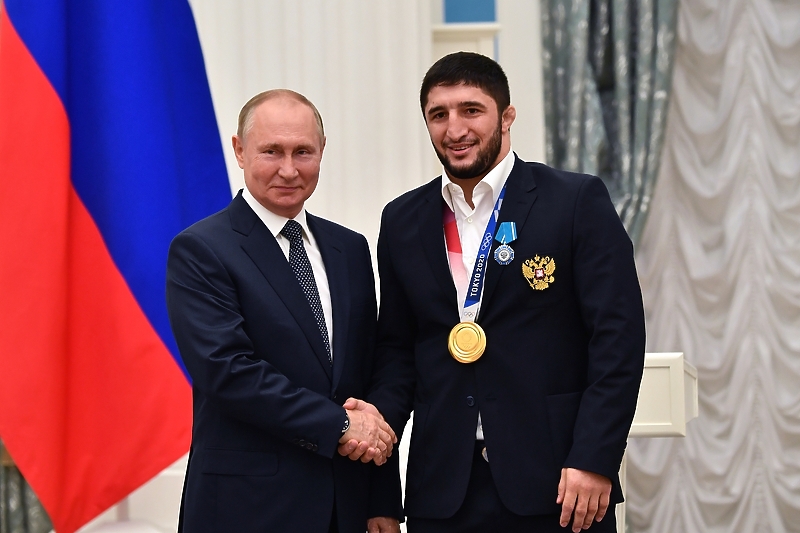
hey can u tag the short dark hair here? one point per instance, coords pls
(471, 69)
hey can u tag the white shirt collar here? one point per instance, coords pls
(495, 180)
(275, 223)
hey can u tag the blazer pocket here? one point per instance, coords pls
(562, 411)
(240, 463)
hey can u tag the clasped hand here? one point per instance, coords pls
(369, 437)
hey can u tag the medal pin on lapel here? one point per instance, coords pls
(507, 233)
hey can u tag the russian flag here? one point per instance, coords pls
(108, 148)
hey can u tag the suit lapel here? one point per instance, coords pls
(520, 197)
(431, 235)
(335, 261)
(260, 245)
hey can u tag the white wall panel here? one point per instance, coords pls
(520, 54)
(359, 61)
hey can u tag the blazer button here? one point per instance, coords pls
(309, 446)
(470, 401)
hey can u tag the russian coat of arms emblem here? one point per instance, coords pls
(539, 272)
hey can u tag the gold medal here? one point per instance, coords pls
(467, 342)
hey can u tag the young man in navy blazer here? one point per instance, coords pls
(511, 323)
(274, 313)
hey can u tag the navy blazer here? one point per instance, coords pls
(267, 402)
(558, 383)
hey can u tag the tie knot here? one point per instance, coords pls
(292, 231)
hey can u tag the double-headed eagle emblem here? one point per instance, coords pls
(539, 272)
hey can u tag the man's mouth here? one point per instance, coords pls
(459, 148)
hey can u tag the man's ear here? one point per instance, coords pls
(509, 115)
(238, 150)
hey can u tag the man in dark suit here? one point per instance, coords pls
(274, 313)
(517, 340)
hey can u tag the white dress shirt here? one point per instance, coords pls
(472, 223)
(275, 224)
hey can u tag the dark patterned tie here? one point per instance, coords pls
(298, 259)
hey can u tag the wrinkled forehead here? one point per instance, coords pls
(286, 109)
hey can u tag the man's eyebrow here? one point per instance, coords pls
(461, 105)
(269, 146)
(308, 147)
(471, 103)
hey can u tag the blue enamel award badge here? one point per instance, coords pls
(506, 233)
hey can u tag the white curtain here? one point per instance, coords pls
(720, 267)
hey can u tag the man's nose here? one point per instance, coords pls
(456, 128)
(287, 168)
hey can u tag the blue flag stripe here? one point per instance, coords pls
(146, 154)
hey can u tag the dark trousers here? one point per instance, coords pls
(483, 512)
(334, 527)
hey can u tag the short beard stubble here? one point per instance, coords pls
(483, 163)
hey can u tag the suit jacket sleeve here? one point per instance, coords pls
(208, 324)
(385, 494)
(611, 307)
(393, 385)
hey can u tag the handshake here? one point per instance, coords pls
(369, 437)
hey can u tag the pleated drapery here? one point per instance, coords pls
(719, 263)
(20, 510)
(607, 78)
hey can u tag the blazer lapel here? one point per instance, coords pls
(431, 235)
(335, 261)
(266, 253)
(520, 196)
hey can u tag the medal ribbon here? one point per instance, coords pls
(474, 284)
(454, 252)
(506, 233)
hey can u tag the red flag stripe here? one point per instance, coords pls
(82, 373)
